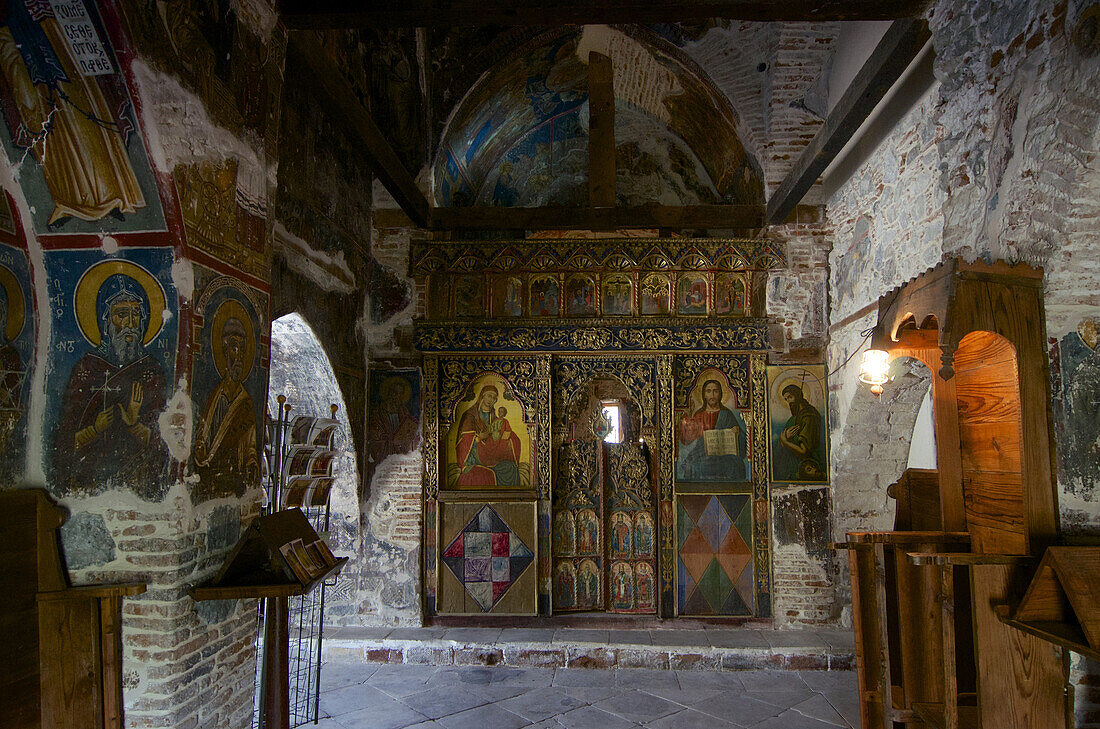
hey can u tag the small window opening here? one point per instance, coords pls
(612, 417)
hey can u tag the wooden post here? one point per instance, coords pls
(601, 131)
(276, 670)
(947, 630)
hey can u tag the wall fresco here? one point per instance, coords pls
(70, 126)
(18, 329)
(393, 426)
(229, 384)
(113, 341)
(1077, 390)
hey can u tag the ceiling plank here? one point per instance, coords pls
(332, 14)
(897, 49)
(381, 157)
(601, 131)
(590, 218)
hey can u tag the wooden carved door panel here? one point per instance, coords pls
(631, 585)
(577, 538)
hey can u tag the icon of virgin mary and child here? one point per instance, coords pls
(488, 448)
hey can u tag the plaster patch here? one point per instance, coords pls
(175, 423)
(183, 277)
(110, 245)
(330, 272)
(639, 77)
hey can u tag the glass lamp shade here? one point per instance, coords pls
(875, 369)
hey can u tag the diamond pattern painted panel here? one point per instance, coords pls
(487, 557)
(714, 554)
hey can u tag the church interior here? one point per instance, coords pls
(724, 363)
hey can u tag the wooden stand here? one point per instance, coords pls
(61, 646)
(260, 567)
(931, 647)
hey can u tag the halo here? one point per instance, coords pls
(695, 395)
(406, 388)
(16, 304)
(801, 376)
(231, 308)
(87, 290)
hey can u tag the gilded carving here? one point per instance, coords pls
(761, 538)
(542, 417)
(456, 373)
(431, 426)
(636, 374)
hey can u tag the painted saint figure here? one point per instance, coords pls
(107, 428)
(225, 452)
(12, 373)
(620, 536)
(724, 457)
(488, 449)
(85, 164)
(588, 590)
(802, 435)
(393, 428)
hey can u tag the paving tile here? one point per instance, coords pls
(684, 697)
(575, 635)
(338, 675)
(696, 638)
(527, 635)
(818, 707)
(637, 706)
(586, 677)
(783, 698)
(350, 698)
(629, 637)
(641, 678)
(737, 639)
(390, 714)
(533, 677)
(590, 694)
(332, 633)
(839, 639)
(402, 680)
(831, 680)
(473, 636)
(444, 700)
(791, 719)
(327, 724)
(738, 708)
(589, 717)
(846, 703)
(771, 680)
(484, 717)
(723, 680)
(425, 725)
(497, 692)
(475, 675)
(690, 719)
(540, 704)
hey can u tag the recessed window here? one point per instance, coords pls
(612, 417)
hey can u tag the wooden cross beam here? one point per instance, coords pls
(897, 49)
(332, 14)
(601, 131)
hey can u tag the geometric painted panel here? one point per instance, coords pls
(714, 562)
(487, 557)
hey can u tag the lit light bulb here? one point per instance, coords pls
(875, 369)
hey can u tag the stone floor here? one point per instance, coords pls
(390, 696)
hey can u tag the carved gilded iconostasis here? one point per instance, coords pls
(598, 428)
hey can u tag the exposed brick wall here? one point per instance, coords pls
(797, 295)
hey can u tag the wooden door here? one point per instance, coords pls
(631, 579)
(577, 536)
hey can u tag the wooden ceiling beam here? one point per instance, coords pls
(333, 14)
(897, 49)
(589, 218)
(601, 131)
(379, 154)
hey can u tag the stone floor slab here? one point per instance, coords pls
(637, 706)
(691, 719)
(589, 717)
(738, 708)
(642, 678)
(484, 717)
(443, 700)
(541, 704)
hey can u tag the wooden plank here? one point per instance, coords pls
(885, 681)
(110, 641)
(601, 131)
(1063, 634)
(71, 681)
(305, 49)
(1078, 570)
(964, 559)
(334, 14)
(589, 218)
(893, 54)
(950, 684)
(867, 636)
(84, 592)
(19, 645)
(1021, 680)
(918, 607)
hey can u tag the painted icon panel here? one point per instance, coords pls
(545, 300)
(714, 559)
(656, 295)
(580, 296)
(114, 341)
(730, 297)
(712, 439)
(487, 558)
(797, 424)
(618, 295)
(489, 445)
(470, 296)
(691, 294)
(508, 296)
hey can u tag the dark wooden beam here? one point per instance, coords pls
(601, 131)
(331, 14)
(897, 49)
(563, 218)
(320, 67)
